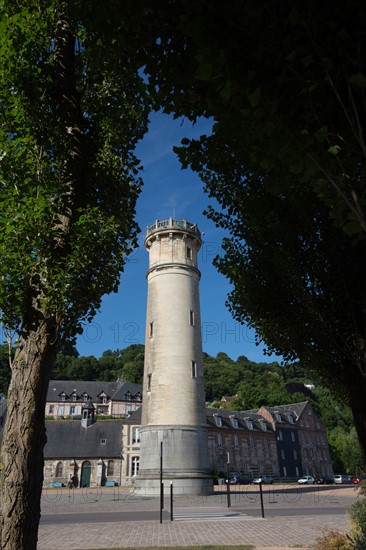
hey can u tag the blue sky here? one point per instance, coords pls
(169, 191)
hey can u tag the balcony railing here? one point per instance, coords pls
(172, 224)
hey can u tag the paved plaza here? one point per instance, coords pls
(294, 518)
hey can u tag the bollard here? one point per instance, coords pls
(261, 495)
(161, 483)
(228, 481)
(171, 501)
(161, 501)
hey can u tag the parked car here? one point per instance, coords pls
(235, 479)
(240, 480)
(306, 479)
(341, 478)
(263, 479)
(357, 479)
(232, 477)
(324, 480)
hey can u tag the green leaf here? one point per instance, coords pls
(255, 97)
(352, 228)
(358, 79)
(334, 149)
(204, 72)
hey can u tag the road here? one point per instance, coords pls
(154, 515)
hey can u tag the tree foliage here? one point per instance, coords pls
(285, 84)
(72, 108)
(70, 119)
(127, 363)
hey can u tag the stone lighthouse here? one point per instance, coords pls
(173, 426)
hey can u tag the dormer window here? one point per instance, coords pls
(278, 417)
(263, 426)
(73, 396)
(290, 418)
(234, 421)
(218, 420)
(62, 396)
(128, 396)
(102, 398)
(85, 396)
(138, 396)
(249, 423)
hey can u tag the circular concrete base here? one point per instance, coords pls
(181, 486)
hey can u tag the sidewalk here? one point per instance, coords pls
(275, 532)
(299, 532)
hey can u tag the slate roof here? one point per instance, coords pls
(114, 390)
(68, 439)
(226, 416)
(134, 417)
(295, 409)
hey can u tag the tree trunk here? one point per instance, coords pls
(24, 438)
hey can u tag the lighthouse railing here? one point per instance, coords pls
(172, 223)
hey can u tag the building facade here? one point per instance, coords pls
(65, 398)
(302, 442)
(83, 452)
(263, 442)
(245, 440)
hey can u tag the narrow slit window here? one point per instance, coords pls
(194, 369)
(151, 330)
(149, 382)
(191, 318)
(189, 253)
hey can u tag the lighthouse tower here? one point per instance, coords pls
(173, 426)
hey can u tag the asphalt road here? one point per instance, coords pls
(101, 517)
(151, 515)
